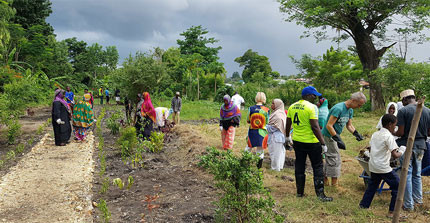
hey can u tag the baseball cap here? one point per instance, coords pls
(310, 90)
(407, 93)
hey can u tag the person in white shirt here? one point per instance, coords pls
(237, 100)
(382, 147)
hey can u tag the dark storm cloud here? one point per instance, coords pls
(140, 25)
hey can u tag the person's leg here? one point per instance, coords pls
(273, 156)
(375, 180)
(392, 180)
(299, 169)
(230, 137)
(333, 161)
(408, 202)
(417, 189)
(223, 138)
(260, 153)
(317, 165)
(281, 160)
(179, 117)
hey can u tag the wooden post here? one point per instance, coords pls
(406, 160)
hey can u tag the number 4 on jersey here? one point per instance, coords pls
(296, 119)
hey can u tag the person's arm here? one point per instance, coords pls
(396, 153)
(350, 127)
(330, 123)
(288, 127)
(400, 131)
(316, 130)
(180, 105)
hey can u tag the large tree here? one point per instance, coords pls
(33, 12)
(253, 63)
(6, 13)
(366, 22)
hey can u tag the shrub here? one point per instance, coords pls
(113, 123)
(127, 142)
(244, 197)
(14, 129)
(155, 143)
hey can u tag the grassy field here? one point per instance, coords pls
(344, 208)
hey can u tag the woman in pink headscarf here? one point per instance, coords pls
(148, 115)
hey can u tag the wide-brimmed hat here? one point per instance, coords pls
(406, 93)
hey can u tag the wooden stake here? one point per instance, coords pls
(406, 160)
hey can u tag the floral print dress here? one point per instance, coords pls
(257, 133)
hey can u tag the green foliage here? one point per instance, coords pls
(127, 142)
(113, 124)
(105, 211)
(254, 63)
(155, 143)
(244, 197)
(105, 185)
(20, 148)
(10, 155)
(130, 181)
(14, 129)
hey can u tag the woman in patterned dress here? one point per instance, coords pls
(83, 118)
(257, 133)
(229, 119)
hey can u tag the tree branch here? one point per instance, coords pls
(381, 51)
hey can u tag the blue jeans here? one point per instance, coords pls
(414, 189)
(390, 178)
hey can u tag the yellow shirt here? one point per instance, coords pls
(300, 114)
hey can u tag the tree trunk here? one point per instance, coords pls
(198, 86)
(370, 58)
(215, 88)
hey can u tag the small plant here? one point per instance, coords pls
(14, 129)
(113, 123)
(150, 206)
(118, 182)
(130, 182)
(102, 163)
(127, 142)
(20, 148)
(105, 185)
(104, 209)
(155, 143)
(40, 129)
(30, 141)
(10, 155)
(1, 163)
(244, 197)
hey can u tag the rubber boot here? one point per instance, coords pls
(319, 190)
(260, 163)
(300, 185)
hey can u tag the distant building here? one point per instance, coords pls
(280, 81)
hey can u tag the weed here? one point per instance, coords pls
(14, 129)
(105, 185)
(244, 197)
(104, 209)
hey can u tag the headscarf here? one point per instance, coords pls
(379, 125)
(230, 111)
(278, 118)
(83, 115)
(147, 107)
(87, 97)
(59, 93)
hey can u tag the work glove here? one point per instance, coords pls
(340, 143)
(288, 143)
(60, 122)
(402, 149)
(220, 128)
(358, 136)
(288, 140)
(324, 148)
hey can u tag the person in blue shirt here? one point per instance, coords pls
(70, 97)
(107, 95)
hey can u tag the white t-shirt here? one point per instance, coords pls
(237, 100)
(382, 144)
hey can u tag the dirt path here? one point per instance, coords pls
(50, 184)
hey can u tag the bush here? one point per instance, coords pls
(244, 197)
(155, 143)
(14, 129)
(127, 142)
(113, 124)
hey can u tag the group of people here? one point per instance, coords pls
(313, 130)
(67, 113)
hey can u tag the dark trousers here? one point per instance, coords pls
(101, 100)
(390, 178)
(313, 150)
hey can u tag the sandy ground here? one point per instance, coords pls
(50, 184)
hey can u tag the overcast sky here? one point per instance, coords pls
(239, 25)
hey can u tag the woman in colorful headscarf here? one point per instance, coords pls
(61, 118)
(148, 116)
(257, 133)
(322, 111)
(83, 118)
(276, 130)
(229, 119)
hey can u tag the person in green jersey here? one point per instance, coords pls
(307, 141)
(339, 116)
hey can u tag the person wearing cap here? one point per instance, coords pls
(307, 141)
(413, 192)
(339, 116)
(176, 107)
